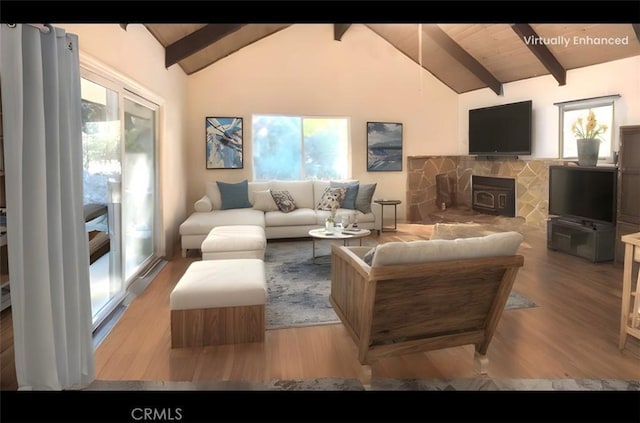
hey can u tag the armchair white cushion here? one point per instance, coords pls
(412, 252)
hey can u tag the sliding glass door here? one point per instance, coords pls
(139, 184)
(102, 176)
(119, 163)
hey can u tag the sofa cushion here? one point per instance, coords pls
(203, 204)
(201, 223)
(332, 198)
(298, 217)
(301, 192)
(284, 201)
(318, 189)
(263, 200)
(234, 195)
(349, 201)
(255, 186)
(354, 215)
(212, 191)
(364, 217)
(498, 244)
(364, 197)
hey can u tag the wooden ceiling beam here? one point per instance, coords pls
(339, 30)
(636, 29)
(197, 41)
(544, 55)
(459, 54)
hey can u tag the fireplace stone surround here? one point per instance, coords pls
(531, 184)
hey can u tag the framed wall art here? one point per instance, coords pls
(224, 142)
(384, 146)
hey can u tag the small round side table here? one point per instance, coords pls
(393, 203)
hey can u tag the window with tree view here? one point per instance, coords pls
(295, 147)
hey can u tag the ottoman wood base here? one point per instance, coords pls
(217, 326)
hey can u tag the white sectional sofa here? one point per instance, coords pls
(213, 210)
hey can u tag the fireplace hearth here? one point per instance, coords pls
(493, 195)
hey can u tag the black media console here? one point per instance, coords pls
(593, 241)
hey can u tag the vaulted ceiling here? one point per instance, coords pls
(465, 57)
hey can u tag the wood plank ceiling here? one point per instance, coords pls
(465, 57)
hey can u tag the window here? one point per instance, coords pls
(294, 147)
(570, 111)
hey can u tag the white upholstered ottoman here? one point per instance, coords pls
(219, 302)
(235, 241)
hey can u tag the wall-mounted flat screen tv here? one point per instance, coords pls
(583, 194)
(501, 130)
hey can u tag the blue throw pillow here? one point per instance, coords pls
(234, 196)
(349, 201)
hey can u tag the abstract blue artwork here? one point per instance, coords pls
(224, 142)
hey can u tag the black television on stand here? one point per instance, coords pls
(501, 131)
(582, 211)
(585, 195)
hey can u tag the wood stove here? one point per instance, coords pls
(492, 195)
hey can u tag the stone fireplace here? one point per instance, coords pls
(530, 179)
(493, 195)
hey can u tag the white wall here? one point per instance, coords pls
(617, 77)
(302, 70)
(138, 56)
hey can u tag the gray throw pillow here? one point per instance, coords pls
(364, 197)
(349, 201)
(234, 196)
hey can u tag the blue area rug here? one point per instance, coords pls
(299, 285)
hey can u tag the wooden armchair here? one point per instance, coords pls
(393, 309)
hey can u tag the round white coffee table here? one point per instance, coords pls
(345, 235)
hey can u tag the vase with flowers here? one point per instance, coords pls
(587, 139)
(330, 223)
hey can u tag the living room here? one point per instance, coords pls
(282, 75)
(382, 85)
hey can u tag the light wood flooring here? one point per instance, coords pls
(573, 333)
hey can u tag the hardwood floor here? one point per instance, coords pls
(573, 333)
(8, 379)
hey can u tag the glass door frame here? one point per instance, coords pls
(115, 229)
(156, 228)
(95, 73)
